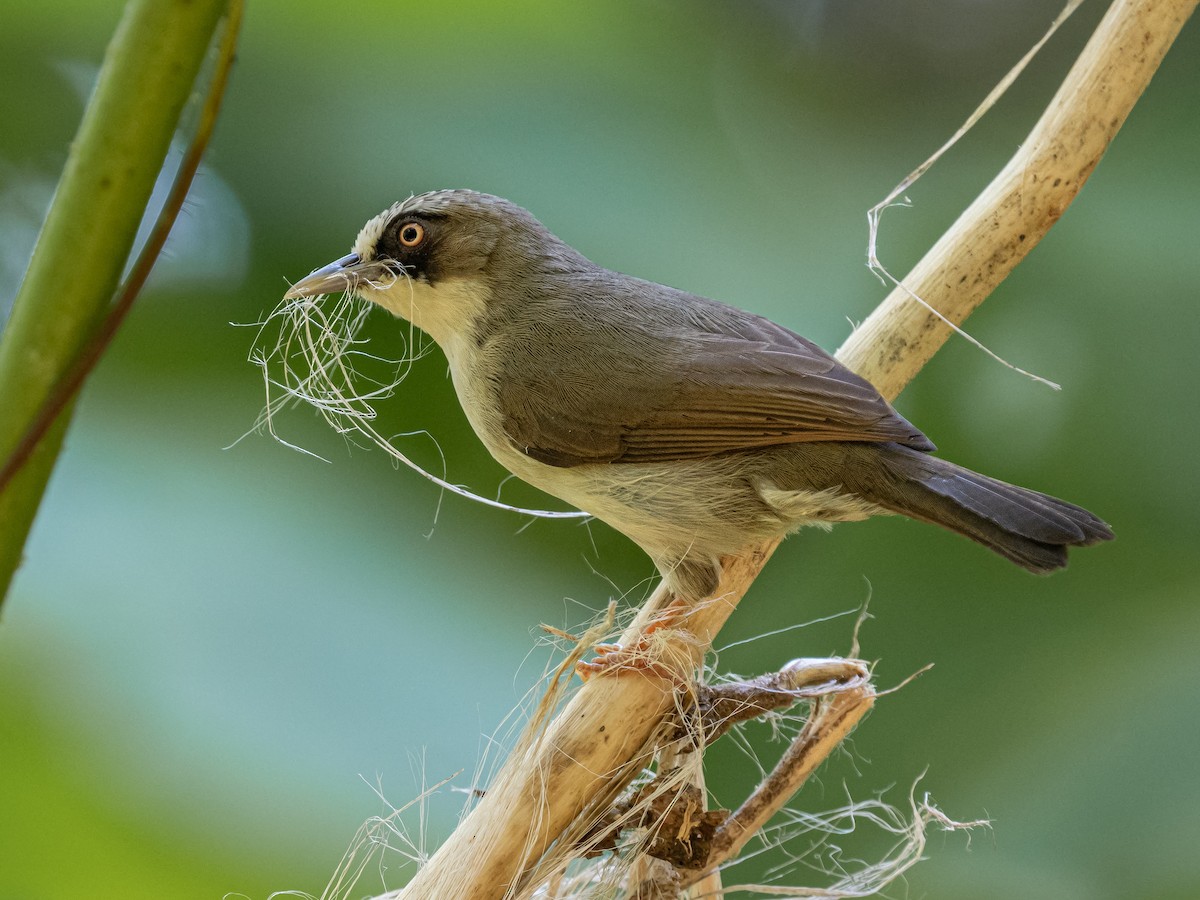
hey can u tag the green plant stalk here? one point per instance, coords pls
(101, 338)
(146, 78)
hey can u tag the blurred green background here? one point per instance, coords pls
(213, 658)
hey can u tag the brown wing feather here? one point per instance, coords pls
(724, 381)
(741, 395)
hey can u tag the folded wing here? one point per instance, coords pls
(728, 381)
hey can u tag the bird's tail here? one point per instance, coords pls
(1032, 529)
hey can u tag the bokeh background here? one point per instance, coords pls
(216, 661)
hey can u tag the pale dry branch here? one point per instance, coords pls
(1024, 200)
(833, 717)
(576, 768)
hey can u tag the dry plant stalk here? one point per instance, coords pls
(608, 732)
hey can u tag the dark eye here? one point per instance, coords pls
(411, 234)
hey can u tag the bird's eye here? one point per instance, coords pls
(411, 234)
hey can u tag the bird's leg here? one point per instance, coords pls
(642, 655)
(688, 577)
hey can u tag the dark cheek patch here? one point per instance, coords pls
(420, 263)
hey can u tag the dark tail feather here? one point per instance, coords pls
(1032, 529)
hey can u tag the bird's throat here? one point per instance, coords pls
(447, 311)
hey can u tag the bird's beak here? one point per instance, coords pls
(344, 275)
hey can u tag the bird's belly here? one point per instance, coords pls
(710, 507)
(666, 508)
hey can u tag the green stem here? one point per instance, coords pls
(147, 76)
(68, 385)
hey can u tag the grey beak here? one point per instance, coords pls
(344, 275)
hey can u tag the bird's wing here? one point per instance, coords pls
(734, 385)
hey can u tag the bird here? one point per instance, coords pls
(695, 428)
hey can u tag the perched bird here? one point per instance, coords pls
(693, 427)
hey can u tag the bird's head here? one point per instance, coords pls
(436, 259)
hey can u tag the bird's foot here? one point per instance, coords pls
(644, 655)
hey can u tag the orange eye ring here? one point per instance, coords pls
(412, 234)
